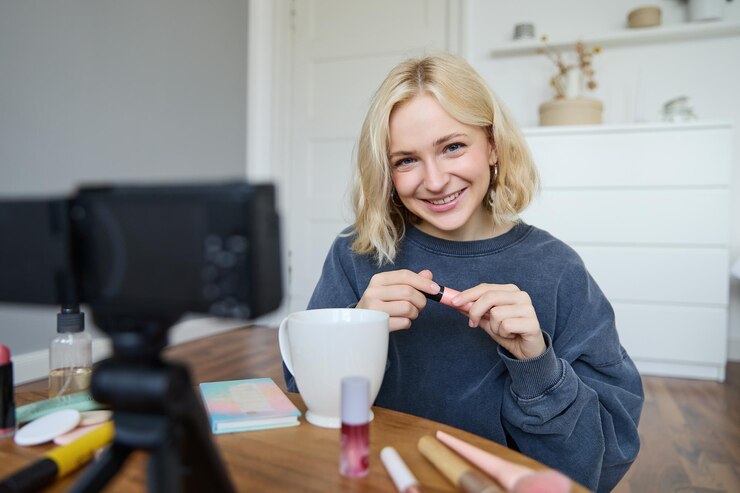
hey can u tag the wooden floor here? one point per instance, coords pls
(690, 434)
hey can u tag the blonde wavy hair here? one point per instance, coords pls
(379, 222)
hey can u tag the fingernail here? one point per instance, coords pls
(472, 324)
(435, 288)
(456, 300)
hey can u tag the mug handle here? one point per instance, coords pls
(284, 346)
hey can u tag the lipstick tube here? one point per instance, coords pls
(445, 296)
(7, 398)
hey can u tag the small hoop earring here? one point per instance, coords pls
(492, 187)
(394, 199)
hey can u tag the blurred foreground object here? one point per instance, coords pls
(141, 257)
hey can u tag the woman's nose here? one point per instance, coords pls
(435, 178)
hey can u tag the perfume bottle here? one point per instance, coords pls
(354, 459)
(70, 354)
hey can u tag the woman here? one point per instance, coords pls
(530, 357)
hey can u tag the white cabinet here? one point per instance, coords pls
(648, 209)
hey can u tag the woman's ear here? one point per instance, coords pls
(492, 155)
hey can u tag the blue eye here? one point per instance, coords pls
(403, 162)
(454, 147)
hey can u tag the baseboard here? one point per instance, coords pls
(733, 349)
(681, 370)
(197, 328)
(32, 366)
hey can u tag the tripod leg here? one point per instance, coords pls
(165, 470)
(200, 455)
(102, 470)
(183, 456)
(156, 409)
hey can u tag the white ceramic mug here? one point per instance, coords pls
(321, 347)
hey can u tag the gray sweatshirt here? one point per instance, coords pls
(574, 408)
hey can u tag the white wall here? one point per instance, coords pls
(634, 81)
(102, 90)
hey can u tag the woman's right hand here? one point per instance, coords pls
(399, 294)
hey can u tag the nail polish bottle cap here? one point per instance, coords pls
(355, 400)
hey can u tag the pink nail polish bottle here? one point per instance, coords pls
(354, 458)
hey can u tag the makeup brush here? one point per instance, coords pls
(456, 470)
(513, 477)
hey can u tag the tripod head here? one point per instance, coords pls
(136, 338)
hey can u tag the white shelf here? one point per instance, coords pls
(627, 37)
(625, 128)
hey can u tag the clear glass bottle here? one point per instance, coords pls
(70, 354)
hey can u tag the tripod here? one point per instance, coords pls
(155, 409)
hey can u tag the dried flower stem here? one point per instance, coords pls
(584, 63)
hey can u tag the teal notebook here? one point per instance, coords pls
(245, 405)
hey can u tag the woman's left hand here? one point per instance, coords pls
(512, 321)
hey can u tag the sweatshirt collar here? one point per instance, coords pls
(467, 248)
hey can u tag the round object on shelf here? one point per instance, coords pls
(644, 17)
(678, 110)
(524, 30)
(571, 111)
(706, 10)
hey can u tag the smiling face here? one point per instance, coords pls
(441, 170)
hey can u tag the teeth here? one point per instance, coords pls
(445, 200)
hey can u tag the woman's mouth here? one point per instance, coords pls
(445, 203)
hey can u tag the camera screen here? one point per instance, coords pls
(147, 250)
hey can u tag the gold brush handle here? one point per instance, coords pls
(455, 469)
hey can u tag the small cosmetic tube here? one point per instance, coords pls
(399, 472)
(354, 458)
(7, 397)
(445, 297)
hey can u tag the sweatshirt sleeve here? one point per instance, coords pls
(576, 407)
(336, 287)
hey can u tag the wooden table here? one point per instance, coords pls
(298, 459)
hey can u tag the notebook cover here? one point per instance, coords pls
(245, 405)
